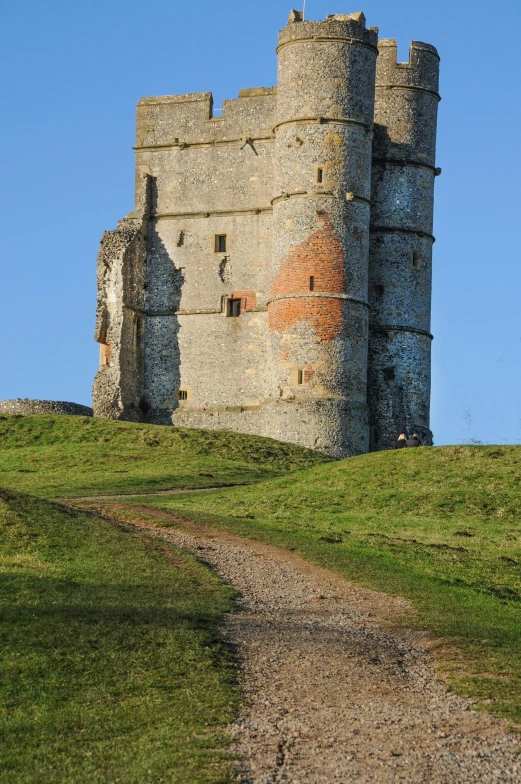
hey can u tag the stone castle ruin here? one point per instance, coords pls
(275, 275)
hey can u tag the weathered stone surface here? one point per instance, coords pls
(25, 406)
(326, 253)
(400, 269)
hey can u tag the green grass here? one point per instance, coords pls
(441, 527)
(112, 667)
(54, 456)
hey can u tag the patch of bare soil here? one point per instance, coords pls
(332, 693)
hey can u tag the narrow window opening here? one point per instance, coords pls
(182, 394)
(220, 243)
(234, 308)
(416, 259)
(379, 290)
(300, 377)
(105, 352)
(311, 282)
(320, 175)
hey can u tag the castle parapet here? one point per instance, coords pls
(184, 120)
(420, 72)
(350, 27)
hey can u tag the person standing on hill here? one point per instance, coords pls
(402, 441)
(414, 441)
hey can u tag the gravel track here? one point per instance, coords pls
(332, 693)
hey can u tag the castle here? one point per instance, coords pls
(275, 275)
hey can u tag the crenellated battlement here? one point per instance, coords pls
(336, 26)
(421, 71)
(182, 120)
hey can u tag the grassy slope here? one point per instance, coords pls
(55, 456)
(112, 667)
(439, 526)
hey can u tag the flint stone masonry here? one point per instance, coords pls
(309, 205)
(25, 406)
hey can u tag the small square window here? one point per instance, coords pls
(233, 308)
(220, 243)
(182, 394)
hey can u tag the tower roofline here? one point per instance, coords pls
(415, 46)
(421, 71)
(350, 27)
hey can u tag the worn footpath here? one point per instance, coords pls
(332, 693)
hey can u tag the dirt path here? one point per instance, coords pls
(331, 693)
(182, 491)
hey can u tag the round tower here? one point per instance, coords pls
(400, 266)
(318, 310)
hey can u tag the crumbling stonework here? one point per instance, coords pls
(26, 406)
(275, 276)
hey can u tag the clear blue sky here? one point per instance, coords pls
(71, 76)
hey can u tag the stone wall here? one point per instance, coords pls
(25, 406)
(212, 176)
(318, 304)
(120, 317)
(238, 294)
(400, 269)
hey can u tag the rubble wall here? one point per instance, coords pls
(400, 269)
(211, 176)
(275, 274)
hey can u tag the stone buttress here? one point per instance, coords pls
(403, 171)
(120, 322)
(318, 311)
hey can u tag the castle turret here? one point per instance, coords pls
(318, 310)
(403, 172)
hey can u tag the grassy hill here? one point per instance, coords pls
(440, 526)
(114, 664)
(54, 456)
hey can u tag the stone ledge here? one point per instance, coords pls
(26, 406)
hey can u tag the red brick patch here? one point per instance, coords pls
(308, 373)
(248, 300)
(320, 256)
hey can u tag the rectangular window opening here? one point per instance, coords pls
(220, 243)
(311, 282)
(182, 394)
(320, 175)
(300, 377)
(416, 259)
(233, 308)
